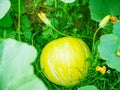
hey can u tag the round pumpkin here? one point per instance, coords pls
(63, 60)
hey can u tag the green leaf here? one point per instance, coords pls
(100, 8)
(28, 34)
(6, 21)
(16, 71)
(108, 47)
(4, 7)
(25, 21)
(88, 87)
(68, 1)
(116, 29)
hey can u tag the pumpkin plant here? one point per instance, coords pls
(109, 45)
(63, 60)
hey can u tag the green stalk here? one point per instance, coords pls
(19, 14)
(114, 84)
(55, 3)
(32, 38)
(94, 37)
(58, 31)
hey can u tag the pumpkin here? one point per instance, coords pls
(63, 61)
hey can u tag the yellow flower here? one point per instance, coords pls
(44, 4)
(104, 21)
(113, 19)
(43, 17)
(101, 69)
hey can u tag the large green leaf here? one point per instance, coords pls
(16, 70)
(116, 29)
(88, 87)
(4, 7)
(68, 1)
(108, 47)
(100, 8)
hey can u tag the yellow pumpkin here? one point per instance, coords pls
(63, 61)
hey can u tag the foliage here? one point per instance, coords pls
(109, 47)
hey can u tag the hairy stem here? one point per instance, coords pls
(19, 14)
(94, 37)
(58, 31)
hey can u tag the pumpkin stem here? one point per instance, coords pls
(58, 31)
